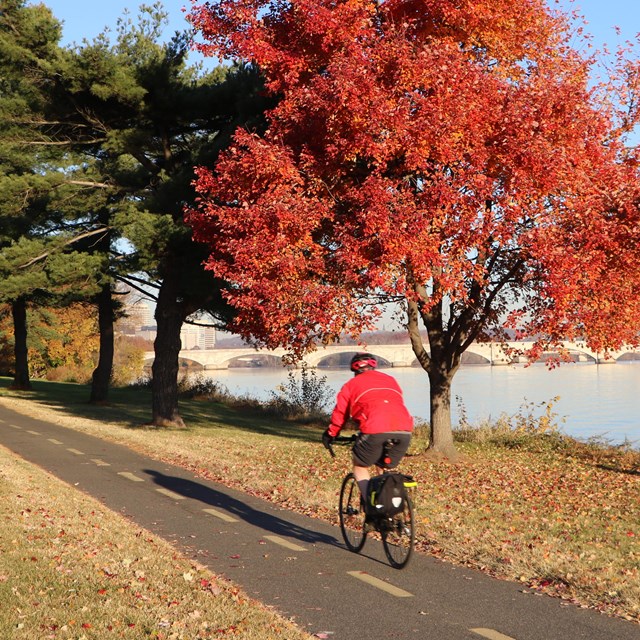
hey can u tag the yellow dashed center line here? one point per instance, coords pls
(54, 441)
(284, 543)
(34, 433)
(15, 426)
(491, 634)
(76, 452)
(100, 463)
(380, 584)
(170, 494)
(130, 476)
(221, 515)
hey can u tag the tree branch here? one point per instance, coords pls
(136, 287)
(88, 183)
(154, 285)
(46, 254)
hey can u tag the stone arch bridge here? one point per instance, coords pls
(395, 355)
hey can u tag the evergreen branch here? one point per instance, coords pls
(63, 143)
(129, 277)
(193, 323)
(144, 292)
(71, 241)
(89, 183)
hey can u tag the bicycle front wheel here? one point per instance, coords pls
(398, 536)
(352, 514)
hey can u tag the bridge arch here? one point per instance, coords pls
(254, 360)
(343, 360)
(473, 358)
(184, 364)
(189, 364)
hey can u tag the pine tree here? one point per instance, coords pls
(143, 119)
(123, 123)
(33, 231)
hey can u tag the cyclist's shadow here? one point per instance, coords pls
(234, 507)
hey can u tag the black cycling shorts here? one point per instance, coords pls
(369, 448)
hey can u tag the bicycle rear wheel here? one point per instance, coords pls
(398, 536)
(352, 514)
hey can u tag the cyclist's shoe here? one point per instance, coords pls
(387, 525)
(369, 524)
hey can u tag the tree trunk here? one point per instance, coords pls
(164, 383)
(102, 373)
(441, 441)
(441, 366)
(21, 375)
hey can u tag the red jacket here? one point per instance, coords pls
(374, 400)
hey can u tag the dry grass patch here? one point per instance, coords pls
(557, 524)
(73, 569)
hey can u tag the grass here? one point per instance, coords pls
(526, 503)
(73, 569)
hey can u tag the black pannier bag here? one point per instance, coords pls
(386, 494)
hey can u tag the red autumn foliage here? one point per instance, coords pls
(451, 156)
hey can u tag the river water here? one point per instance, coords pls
(594, 400)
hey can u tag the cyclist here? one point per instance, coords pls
(374, 400)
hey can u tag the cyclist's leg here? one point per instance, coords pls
(369, 450)
(366, 452)
(361, 475)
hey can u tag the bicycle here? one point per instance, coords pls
(356, 521)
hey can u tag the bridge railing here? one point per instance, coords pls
(397, 355)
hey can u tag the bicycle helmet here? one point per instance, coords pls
(363, 362)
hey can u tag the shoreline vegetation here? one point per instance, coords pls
(524, 503)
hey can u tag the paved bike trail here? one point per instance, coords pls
(299, 564)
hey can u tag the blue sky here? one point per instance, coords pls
(86, 19)
(83, 18)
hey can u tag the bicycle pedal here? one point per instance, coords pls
(386, 525)
(369, 526)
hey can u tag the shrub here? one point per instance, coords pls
(306, 396)
(421, 438)
(526, 428)
(128, 360)
(69, 373)
(202, 388)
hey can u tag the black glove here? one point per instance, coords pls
(327, 439)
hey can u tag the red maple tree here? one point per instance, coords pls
(448, 156)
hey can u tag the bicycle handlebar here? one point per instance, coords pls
(340, 440)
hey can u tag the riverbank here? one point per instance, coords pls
(594, 401)
(560, 518)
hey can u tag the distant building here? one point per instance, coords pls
(197, 337)
(139, 321)
(138, 317)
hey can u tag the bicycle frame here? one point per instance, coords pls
(397, 532)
